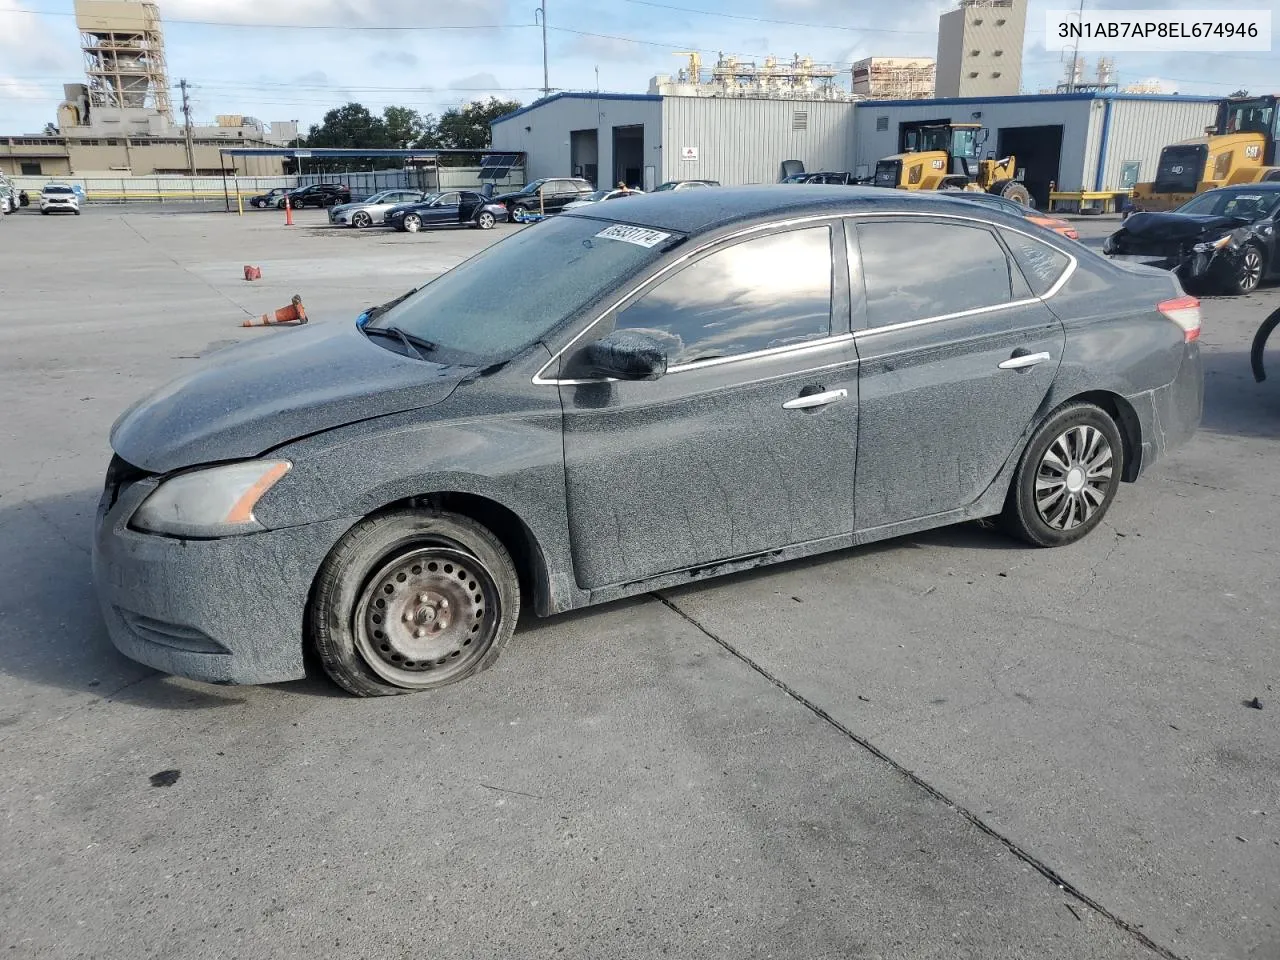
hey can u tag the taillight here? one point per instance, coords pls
(1185, 312)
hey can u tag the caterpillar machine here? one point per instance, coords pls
(945, 157)
(1239, 148)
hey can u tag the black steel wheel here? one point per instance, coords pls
(412, 600)
(1067, 478)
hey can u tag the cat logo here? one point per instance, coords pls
(1253, 151)
(939, 164)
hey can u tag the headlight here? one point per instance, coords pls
(1109, 245)
(215, 502)
(1212, 245)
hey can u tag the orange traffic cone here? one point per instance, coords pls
(252, 273)
(288, 212)
(291, 315)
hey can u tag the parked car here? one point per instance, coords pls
(1224, 237)
(690, 386)
(443, 209)
(59, 198)
(995, 202)
(371, 210)
(316, 195)
(599, 195)
(10, 196)
(269, 199)
(684, 185)
(549, 195)
(827, 177)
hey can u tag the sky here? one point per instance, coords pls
(294, 59)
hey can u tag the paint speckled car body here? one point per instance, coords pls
(601, 487)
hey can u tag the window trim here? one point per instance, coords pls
(974, 311)
(853, 296)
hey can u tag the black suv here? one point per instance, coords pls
(556, 192)
(317, 195)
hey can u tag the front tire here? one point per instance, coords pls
(518, 213)
(1244, 275)
(1013, 190)
(361, 220)
(412, 222)
(1067, 478)
(412, 600)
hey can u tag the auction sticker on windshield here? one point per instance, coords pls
(640, 236)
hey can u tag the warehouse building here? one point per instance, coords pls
(1075, 141)
(646, 139)
(1078, 141)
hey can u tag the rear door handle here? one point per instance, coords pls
(815, 400)
(1024, 361)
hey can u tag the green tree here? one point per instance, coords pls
(406, 127)
(468, 128)
(351, 126)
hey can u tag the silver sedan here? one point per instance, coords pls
(372, 209)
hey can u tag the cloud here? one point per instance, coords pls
(401, 58)
(388, 13)
(609, 50)
(316, 78)
(476, 81)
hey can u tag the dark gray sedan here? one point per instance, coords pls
(690, 385)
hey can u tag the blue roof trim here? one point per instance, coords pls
(569, 95)
(309, 153)
(1040, 98)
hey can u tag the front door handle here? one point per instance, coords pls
(1024, 361)
(815, 400)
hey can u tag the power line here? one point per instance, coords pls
(787, 23)
(294, 26)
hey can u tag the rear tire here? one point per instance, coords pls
(1067, 478)
(485, 220)
(412, 600)
(1012, 190)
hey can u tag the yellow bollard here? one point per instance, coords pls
(239, 204)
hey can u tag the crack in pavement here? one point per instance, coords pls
(1008, 843)
(125, 220)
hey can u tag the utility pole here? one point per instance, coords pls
(541, 13)
(186, 116)
(1075, 57)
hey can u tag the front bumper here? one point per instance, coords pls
(342, 216)
(223, 611)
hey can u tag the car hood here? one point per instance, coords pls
(257, 395)
(1178, 226)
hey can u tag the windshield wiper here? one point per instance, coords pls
(415, 345)
(382, 308)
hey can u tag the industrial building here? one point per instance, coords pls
(894, 78)
(980, 49)
(1079, 141)
(646, 139)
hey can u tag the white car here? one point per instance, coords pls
(599, 195)
(59, 197)
(371, 210)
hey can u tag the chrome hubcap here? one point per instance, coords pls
(426, 615)
(1073, 477)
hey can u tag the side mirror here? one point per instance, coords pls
(622, 355)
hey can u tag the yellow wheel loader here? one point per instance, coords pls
(1240, 148)
(945, 157)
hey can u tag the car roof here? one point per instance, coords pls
(702, 210)
(1270, 186)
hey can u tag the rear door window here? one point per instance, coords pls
(768, 292)
(1041, 264)
(920, 269)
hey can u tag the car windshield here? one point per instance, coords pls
(58, 190)
(512, 294)
(598, 195)
(532, 187)
(1246, 204)
(669, 185)
(380, 197)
